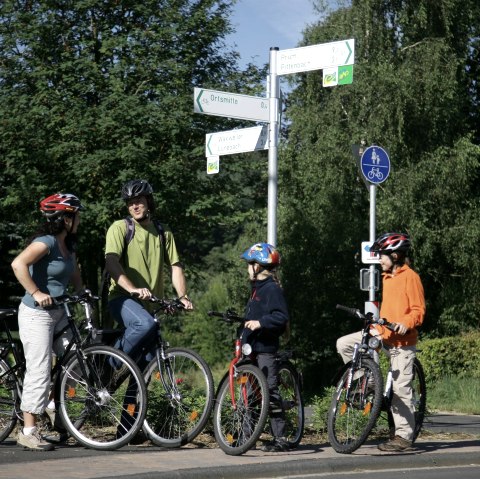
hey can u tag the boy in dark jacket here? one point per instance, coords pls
(267, 316)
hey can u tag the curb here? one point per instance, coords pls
(316, 466)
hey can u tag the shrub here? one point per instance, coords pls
(452, 356)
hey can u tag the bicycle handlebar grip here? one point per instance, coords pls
(350, 311)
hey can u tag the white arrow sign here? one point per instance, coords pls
(315, 57)
(236, 141)
(233, 105)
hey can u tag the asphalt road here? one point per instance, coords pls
(195, 461)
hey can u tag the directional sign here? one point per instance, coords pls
(367, 256)
(220, 103)
(375, 164)
(236, 141)
(316, 57)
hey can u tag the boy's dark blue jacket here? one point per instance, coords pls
(267, 305)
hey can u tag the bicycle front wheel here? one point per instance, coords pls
(355, 406)
(240, 412)
(8, 401)
(102, 407)
(180, 398)
(290, 388)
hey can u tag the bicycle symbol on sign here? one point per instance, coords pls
(375, 173)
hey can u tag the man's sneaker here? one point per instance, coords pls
(279, 444)
(33, 441)
(55, 437)
(397, 444)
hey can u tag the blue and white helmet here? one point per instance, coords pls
(262, 253)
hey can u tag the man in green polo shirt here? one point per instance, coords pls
(136, 266)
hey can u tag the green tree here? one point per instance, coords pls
(415, 93)
(93, 93)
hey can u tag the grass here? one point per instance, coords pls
(455, 394)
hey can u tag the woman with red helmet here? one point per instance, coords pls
(403, 304)
(45, 268)
(267, 319)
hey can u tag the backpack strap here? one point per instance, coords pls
(130, 233)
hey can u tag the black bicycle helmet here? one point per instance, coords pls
(391, 243)
(135, 188)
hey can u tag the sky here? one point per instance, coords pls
(261, 24)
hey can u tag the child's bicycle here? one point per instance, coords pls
(360, 396)
(242, 399)
(101, 406)
(179, 386)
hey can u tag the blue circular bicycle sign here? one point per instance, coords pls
(375, 164)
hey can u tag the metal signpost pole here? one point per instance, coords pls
(373, 204)
(375, 167)
(273, 130)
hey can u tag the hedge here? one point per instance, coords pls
(450, 356)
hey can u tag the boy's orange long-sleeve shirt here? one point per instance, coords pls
(403, 302)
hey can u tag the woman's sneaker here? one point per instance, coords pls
(33, 441)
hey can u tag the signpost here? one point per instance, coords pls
(375, 164)
(375, 167)
(316, 57)
(236, 141)
(232, 105)
(337, 57)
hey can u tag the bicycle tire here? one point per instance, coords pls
(105, 408)
(419, 386)
(8, 401)
(290, 388)
(237, 430)
(180, 398)
(354, 410)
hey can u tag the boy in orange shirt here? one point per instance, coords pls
(403, 303)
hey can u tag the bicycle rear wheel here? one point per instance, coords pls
(180, 398)
(290, 388)
(354, 409)
(101, 407)
(8, 401)
(237, 428)
(419, 387)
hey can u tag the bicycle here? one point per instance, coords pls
(179, 387)
(100, 405)
(242, 399)
(360, 395)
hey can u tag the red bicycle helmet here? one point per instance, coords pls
(262, 253)
(391, 242)
(60, 203)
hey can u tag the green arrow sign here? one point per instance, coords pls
(315, 57)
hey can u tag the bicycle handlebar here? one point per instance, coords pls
(356, 313)
(228, 316)
(167, 305)
(85, 297)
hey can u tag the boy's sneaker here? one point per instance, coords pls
(33, 441)
(397, 444)
(279, 444)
